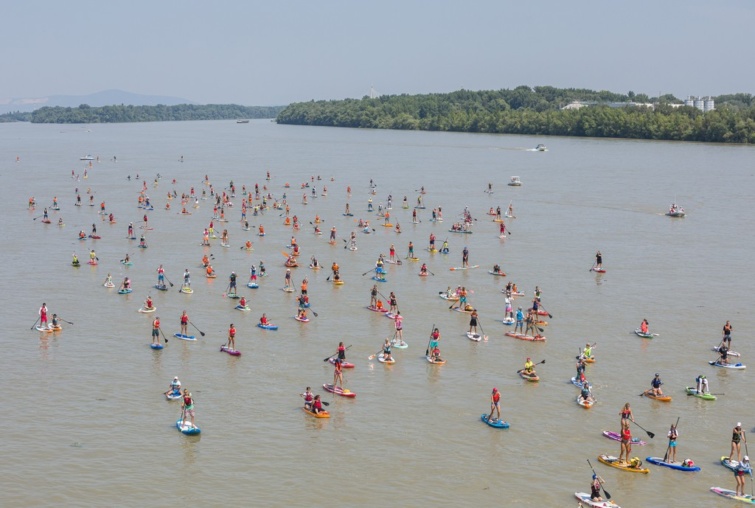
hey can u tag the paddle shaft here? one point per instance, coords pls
(608, 495)
(163, 334)
(69, 322)
(169, 282)
(651, 434)
(195, 326)
(35, 322)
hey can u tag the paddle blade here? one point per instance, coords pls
(651, 434)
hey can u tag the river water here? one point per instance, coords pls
(85, 421)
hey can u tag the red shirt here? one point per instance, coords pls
(496, 396)
(184, 319)
(232, 332)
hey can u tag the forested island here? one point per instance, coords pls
(539, 111)
(123, 114)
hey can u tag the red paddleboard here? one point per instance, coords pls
(521, 336)
(231, 352)
(344, 364)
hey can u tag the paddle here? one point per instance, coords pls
(373, 356)
(368, 271)
(331, 356)
(479, 323)
(751, 482)
(166, 278)
(592, 267)
(64, 320)
(35, 218)
(608, 496)
(652, 435)
(35, 323)
(668, 448)
(195, 326)
(688, 394)
(549, 314)
(163, 334)
(313, 312)
(427, 351)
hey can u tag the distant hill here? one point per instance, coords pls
(104, 98)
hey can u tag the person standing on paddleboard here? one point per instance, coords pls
(337, 374)
(531, 319)
(726, 340)
(739, 474)
(232, 337)
(473, 322)
(393, 302)
(673, 434)
(399, 324)
(519, 321)
(737, 435)
(626, 415)
(187, 278)
(373, 296)
(160, 276)
(187, 404)
(410, 255)
(626, 444)
(465, 257)
(43, 315)
(184, 324)
(434, 339)
(155, 327)
(598, 261)
(495, 405)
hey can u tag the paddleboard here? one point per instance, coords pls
(268, 326)
(662, 398)
(617, 437)
(495, 423)
(585, 500)
(343, 392)
(500, 274)
(645, 335)
(521, 336)
(147, 311)
(303, 320)
(375, 309)
(288, 289)
(576, 382)
(390, 315)
(156, 346)
(381, 359)
(124, 291)
(453, 268)
(587, 404)
(508, 321)
(186, 290)
(321, 414)
(599, 270)
(245, 308)
(184, 337)
(737, 366)
(704, 396)
(476, 336)
(173, 395)
(733, 495)
(413, 259)
(658, 461)
(449, 298)
(531, 379)
(434, 362)
(338, 282)
(399, 344)
(379, 279)
(233, 296)
(161, 287)
(232, 352)
(612, 461)
(186, 428)
(344, 364)
(252, 285)
(109, 285)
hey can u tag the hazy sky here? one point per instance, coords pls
(275, 52)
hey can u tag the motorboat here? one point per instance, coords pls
(86, 158)
(515, 182)
(540, 148)
(242, 121)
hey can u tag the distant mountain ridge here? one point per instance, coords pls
(103, 98)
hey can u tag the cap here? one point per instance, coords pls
(175, 377)
(594, 476)
(747, 458)
(656, 374)
(739, 424)
(496, 389)
(528, 358)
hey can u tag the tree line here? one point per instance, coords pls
(537, 111)
(159, 113)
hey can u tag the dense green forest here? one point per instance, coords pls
(119, 114)
(537, 111)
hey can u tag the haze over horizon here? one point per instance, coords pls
(275, 53)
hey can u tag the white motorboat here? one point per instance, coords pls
(515, 182)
